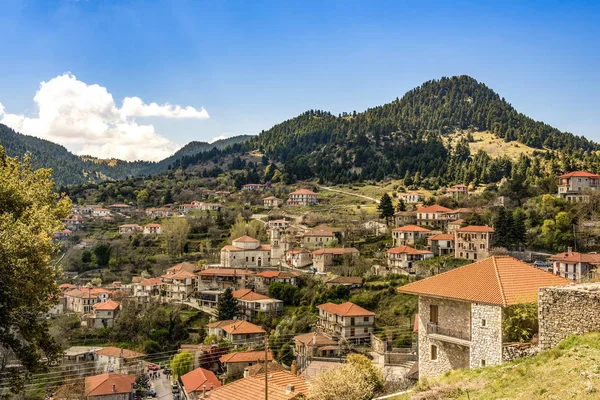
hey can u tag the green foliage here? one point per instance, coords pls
(182, 363)
(519, 322)
(386, 208)
(227, 306)
(284, 291)
(375, 375)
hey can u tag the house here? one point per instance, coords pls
(197, 382)
(160, 212)
(314, 344)
(575, 266)
(434, 216)
(411, 198)
(263, 279)
(104, 315)
(282, 385)
(152, 229)
(63, 235)
(347, 320)
(401, 259)
(246, 252)
(303, 197)
(351, 282)
(409, 235)
(441, 244)
(205, 356)
(65, 287)
(460, 320)
(178, 286)
(299, 257)
(473, 242)
(251, 304)
(235, 363)
(100, 212)
(76, 360)
(149, 287)
(237, 332)
(253, 186)
(278, 224)
(223, 278)
(320, 236)
(186, 208)
(109, 387)
(129, 229)
(453, 226)
(459, 214)
(80, 301)
(272, 202)
(114, 359)
(57, 308)
(121, 207)
(325, 258)
(574, 186)
(458, 192)
(402, 218)
(73, 222)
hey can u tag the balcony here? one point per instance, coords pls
(435, 331)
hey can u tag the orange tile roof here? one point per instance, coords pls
(336, 251)
(270, 198)
(576, 257)
(109, 305)
(277, 274)
(303, 191)
(246, 356)
(354, 280)
(242, 327)
(120, 353)
(407, 250)
(411, 228)
(194, 380)
(346, 309)
(220, 324)
(245, 239)
(499, 280)
(67, 286)
(476, 228)
(434, 209)
(102, 385)
(184, 266)
(253, 387)
(441, 236)
(314, 339)
(179, 275)
(151, 282)
(224, 272)
(582, 174)
(456, 222)
(248, 295)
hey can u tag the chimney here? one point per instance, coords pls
(114, 388)
(203, 391)
(121, 353)
(246, 373)
(569, 249)
(314, 339)
(294, 368)
(289, 389)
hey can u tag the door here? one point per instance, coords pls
(259, 262)
(433, 314)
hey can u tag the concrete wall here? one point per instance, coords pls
(566, 310)
(486, 341)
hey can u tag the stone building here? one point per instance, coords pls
(299, 257)
(325, 258)
(346, 320)
(235, 363)
(263, 280)
(252, 304)
(247, 252)
(574, 186)
(402, 218)
(321, 236)
(409, 235)
(303, 197)
(460, 311)
(434, 216)
(272, 202)
(575, 266)
(441, 244)
(473, 242)
(401, 259)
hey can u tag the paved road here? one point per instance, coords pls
(162, 387)
(349, 193)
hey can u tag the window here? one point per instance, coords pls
(366, 319)
(483, 322)
(352, 321)
(482, 363)
(246, 259)
(351, 331)
(474, 256)
(366, 330)
(433, 314)
(433, 353)
(252, 259)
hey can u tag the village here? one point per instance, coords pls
(466, 286)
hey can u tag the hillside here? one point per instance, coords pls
(569, 371)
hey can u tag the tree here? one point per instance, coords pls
(168, 199)
(401, 206)
(350, 381)
(182, 363)
(227, 306)
(175, 233)
(142, 198)
(86, 256)
(102, 253)
(386, 209)
(30, 212)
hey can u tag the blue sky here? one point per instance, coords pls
(254, 64)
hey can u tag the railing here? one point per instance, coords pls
(438, 330)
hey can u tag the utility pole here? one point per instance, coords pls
(266, 368)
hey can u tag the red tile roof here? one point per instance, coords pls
(103, 385)
(179, 275)
(151, 282)
(224, 272)
(346, 309)
(476, 228)
(441, 236)
(303, 191)
(194, 380)
(109, 305)
(353, 280)
(582, 174)
(246, 356)
(336, 251)
(184, 266)
(277, 274)
(499, 280)
(314, 339)
(407, 250)
(242, 327)
(434, 209)
(253, 387)
(411, 228)
(245, 239)
(120, 353)
(576, 257)
(248, 295)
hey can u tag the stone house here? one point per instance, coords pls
(574, 185)
(325, 258)
(121, 208)
(223, 278)
(434, 216)
(197, 382)
(237, 332)
(152, 229)
(460, 317)
(253, 186)
(473, 242)
(160, 212)
(272, 202)
(73, 222)
(412, 198)
(453, 226)
(263, 280)
(441, 244)
(278, 224)
(251, 304)
(179, 282)
(109, 387)
(114, 359)
(186, 208)
(458, 192)
(235, 363)
(62, 235)
(246, 252)
(321, 236)
(100, 212)
(80, 301)
(104, 315)
(303, 197)
(409, 235)
(401, 259)
(130, 229)
(314, 344)
(299, 257)
(575, 266)
(402, 218)
(76, 359)
(149, 287)
(347, 320)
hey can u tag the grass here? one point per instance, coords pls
(569, 371)
(495, 147)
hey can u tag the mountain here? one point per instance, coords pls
(72, 169)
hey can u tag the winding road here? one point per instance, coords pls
(349, 193)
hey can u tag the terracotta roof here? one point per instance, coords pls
(298, 251)
(407, 250)
(270, 198)
(456, 222)
(346, 309)
(311, 337)
(581, 174)
(194, 380)
(152, 226)
(434, 209)
(320, 231)
(184, 266)
(67, 286)
(246, 356)
(245, 239)
(346, 279)
(108, 384)
(248, 295)
(151, 282)
(277, 274)
(253, 387)
(242, 327)
(576, 257)
(109, 305)
(411, 228)
(303, 191)
(441, 236)
(476, 228)
(87, 294)
(336, 251)
(224, 272)
(499, 280)
(220, 324)
(120, 353)
(461, 210)
(179, 275)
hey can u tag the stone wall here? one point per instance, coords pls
(486, 340)
(565, 310)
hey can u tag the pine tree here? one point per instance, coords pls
(518, 226)
(386, 209)
(401, 206)
(227, 306)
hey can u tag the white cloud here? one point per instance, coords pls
(85, 117)
(218, 138)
